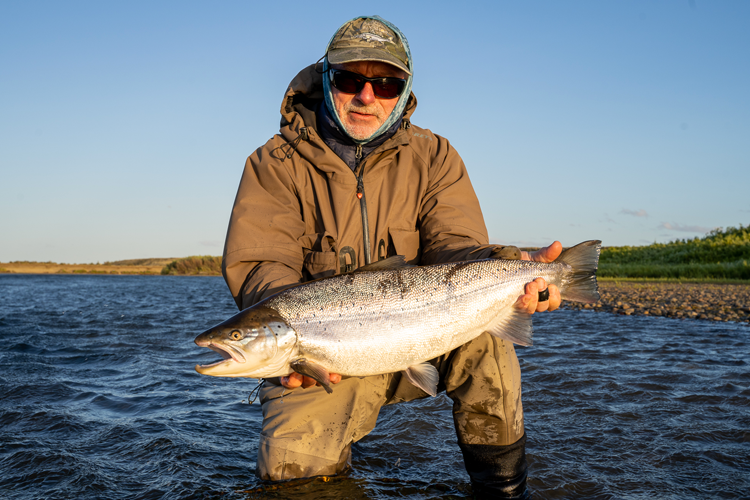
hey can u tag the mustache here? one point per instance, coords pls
(366, 110)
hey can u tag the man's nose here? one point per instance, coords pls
(366, 95)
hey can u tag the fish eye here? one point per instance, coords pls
(236, 335)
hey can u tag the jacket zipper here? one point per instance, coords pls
(362, 202)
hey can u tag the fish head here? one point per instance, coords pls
(256, 343)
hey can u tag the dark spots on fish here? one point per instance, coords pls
(402, 286)
(449, 275)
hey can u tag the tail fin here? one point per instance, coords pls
(580, 284)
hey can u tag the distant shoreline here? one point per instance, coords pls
(144, 266)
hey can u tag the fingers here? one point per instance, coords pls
(529, 301)
(308, 382)
(541, 305)
(554, 298)
(546, 254)
(294, 380)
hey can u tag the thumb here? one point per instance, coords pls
(547, 254)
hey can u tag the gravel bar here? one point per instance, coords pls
(703, 301)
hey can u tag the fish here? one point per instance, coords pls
(391, 317)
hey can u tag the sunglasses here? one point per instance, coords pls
(352, 83)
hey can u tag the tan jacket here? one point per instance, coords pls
(297, 216)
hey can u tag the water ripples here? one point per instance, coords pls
(99, 399)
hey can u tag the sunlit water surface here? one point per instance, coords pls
(99, 399)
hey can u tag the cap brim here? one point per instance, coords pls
(341, 56)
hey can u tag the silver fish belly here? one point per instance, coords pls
(379, 322)
(389, 317)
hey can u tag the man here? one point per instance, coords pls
(347, 181)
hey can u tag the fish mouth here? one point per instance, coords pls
(230, 354)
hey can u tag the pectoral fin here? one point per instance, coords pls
(425, 376)
(514, 325)
(314, 371)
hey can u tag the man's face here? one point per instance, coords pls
(363, 113)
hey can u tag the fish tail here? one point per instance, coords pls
(580, 285)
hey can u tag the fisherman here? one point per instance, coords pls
(350, 180)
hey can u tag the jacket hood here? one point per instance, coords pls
(402, 100)
(305, 93)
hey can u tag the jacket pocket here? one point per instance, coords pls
(406, 242)
(318, 263)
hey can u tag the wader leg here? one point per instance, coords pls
(307, 432)
(484, 380)
(497, 471)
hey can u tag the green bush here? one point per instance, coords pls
(718, 246)
(721, 254)
(739, 270)
(200, 264)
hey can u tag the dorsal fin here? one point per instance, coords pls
(395, 262)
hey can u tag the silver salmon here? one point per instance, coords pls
(389, 317)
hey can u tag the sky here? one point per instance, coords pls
(124, 126)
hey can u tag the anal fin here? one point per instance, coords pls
(425, 376)
(314, 371)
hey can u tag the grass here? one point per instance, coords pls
(195, 265)
(723, 254)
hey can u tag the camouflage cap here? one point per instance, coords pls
(367, 39)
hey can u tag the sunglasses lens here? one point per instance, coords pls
(347, 82)
(352, 83)
(389, 88)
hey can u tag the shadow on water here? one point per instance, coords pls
(99, 399)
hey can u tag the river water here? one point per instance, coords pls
(99, 399)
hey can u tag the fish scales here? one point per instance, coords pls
(419, 312)
(386, 317)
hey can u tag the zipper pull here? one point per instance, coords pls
(360, 189)
(358, 152)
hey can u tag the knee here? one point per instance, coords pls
(281, 464)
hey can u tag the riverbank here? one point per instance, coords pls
(136, 266)
(705, 301)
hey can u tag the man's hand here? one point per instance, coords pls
(294, 380)
(530, 300)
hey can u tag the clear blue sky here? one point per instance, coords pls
(124, 126)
